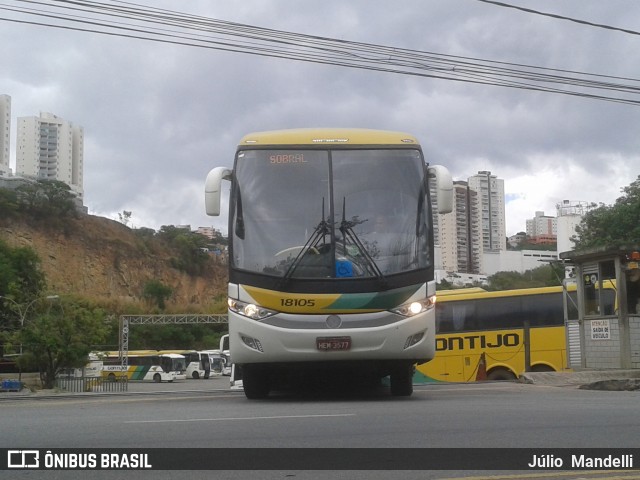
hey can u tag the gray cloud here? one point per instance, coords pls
(157, 117)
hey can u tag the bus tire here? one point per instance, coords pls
(255, 381)
(402, 381)
(157, 378)
(111, 377)
(195, 375)
(501, 374)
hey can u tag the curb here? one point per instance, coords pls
(600, 379)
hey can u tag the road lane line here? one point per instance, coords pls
(279, 417)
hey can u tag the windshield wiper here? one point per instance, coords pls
(317, 237)
(346, 228)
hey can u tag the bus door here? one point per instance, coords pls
(205, 363)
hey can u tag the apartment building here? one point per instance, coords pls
(542, 229)
(490, 192)
(50, 148)
(459, 235)
(5, 134)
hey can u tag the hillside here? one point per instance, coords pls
(105, 260)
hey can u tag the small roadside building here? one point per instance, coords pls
(608, 304)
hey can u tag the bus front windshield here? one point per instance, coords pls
(330, 214)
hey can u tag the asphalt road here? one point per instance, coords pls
(206, 414)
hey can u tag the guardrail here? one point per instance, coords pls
(92, 384)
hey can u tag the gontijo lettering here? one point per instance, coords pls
(478, 341)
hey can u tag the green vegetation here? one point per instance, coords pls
(191, 249)
(157, 292)
(612, 225)
(61, 337)
(544, 276)
(48, 202)
(53, 332)
(21, 277)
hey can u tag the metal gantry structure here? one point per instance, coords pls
(126, 321)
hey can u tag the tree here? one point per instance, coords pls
(156, 291)
(612, 225)
(49, 201)
(8, 203)
(191, 248)
(544, 276)
(124, 217)
(21, 280)
(60, 337)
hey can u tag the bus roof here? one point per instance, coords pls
(460, 291)
(465, 294)
(477, 292)
(328, 136)
(115, 353)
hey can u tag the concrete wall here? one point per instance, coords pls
(634, 332)
(603, 354)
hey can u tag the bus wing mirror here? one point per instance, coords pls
(213, 189)
(443, 187)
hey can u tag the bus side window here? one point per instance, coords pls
(461, 317)
(499, 313)
(543, 310)
(455, 316)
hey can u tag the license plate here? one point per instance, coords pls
(331, 344)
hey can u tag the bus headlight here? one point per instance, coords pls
(250, 310)
(413, 308)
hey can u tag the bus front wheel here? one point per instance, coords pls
(255, 381)
(402, 381)
(157, 378)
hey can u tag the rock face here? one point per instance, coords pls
(105, 260)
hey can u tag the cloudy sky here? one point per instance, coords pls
(157, 116)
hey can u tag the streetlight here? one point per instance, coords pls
(23, 317)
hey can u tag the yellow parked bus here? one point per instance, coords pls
(483, 335)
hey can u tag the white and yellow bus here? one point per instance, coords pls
(145, 365)
(493, 335)
(331, 264)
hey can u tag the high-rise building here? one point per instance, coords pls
(475, 226)
(5, 134)
(459, 235)
(541, 224)
(50, 148)
(490, 192)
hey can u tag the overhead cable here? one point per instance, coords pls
(129, 20)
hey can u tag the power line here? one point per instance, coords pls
(128, 20)
(560, 17)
